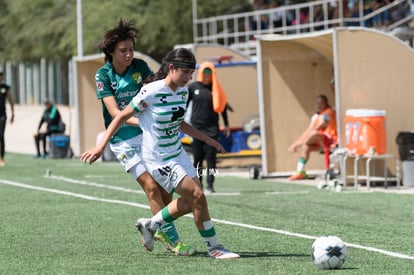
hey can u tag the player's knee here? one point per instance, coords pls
(199, 198)
(151, 189)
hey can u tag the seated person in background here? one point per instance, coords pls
(320, 135)
(52, 118)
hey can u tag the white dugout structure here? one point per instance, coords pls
(371, 69)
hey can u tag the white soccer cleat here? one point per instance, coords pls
(219, 252)
(147, 234)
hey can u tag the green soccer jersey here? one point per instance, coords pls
(123, 87)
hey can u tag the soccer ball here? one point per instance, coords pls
(328, 252)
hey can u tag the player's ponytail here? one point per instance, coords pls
(180, 58)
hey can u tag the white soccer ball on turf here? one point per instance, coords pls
(328, 252)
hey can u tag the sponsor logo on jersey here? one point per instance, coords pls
(178, 112)
(99, 85)
(163, 99)
(171, 132)
(173, 177)
(122, 104)
(127, 94)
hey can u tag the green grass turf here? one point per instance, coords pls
(50, 233)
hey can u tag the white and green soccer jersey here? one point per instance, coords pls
(123, 87)
(161, 111)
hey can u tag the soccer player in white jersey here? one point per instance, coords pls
(117, 82)
(161, 107)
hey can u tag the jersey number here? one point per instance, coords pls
(165, 171)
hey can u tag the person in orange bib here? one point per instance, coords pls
(208, 101)
(320, 135)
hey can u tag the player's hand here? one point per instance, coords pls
(217, 146)
(292, 148)
(91, 155)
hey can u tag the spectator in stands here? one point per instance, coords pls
(277, 16)
(334, 9)
(5, 93)
(53, 120)
(382, 19)
(263, 23)
(399, 11)
(320, 135)
(303, 17)
(367, 10)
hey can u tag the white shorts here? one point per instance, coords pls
(128, 153)
(169, 174)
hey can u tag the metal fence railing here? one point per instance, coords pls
(311, 16)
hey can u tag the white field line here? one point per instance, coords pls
(71, 194)
(259, 228)
(81, 182)
(286, 192)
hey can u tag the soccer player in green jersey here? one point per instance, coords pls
(161, 106)
(117, 82)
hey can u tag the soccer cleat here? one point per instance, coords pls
(147, 238)
(219, 252)
(182, 249)
(163, 238)
(209, 190)
(299, 176)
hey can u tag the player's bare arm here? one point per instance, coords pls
(191, 131)
(94, 154)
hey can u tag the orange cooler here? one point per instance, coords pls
(350, 138)
(369, 128)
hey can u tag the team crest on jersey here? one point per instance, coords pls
(99, 85)
(137, 77)
(143, 104)
(114, 85)
(197, 92)
(185, 97)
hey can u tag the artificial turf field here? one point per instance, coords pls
(79, 219)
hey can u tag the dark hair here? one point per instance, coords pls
(324, 98)
(124, 31)
(180, 58)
